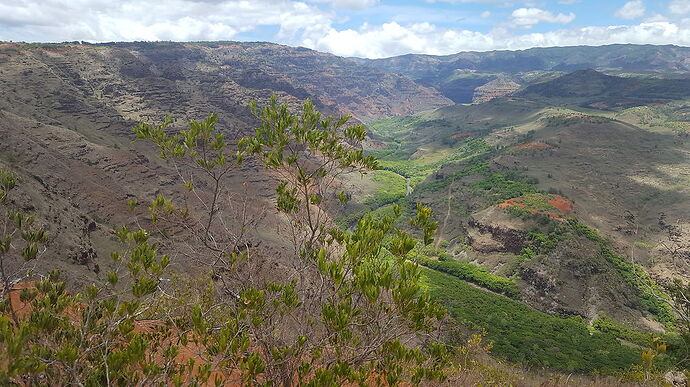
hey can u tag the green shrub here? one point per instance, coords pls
(500, 187)
(523, 335)
(651, 294)
(472, 273)
(606, 324)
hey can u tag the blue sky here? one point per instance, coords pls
(365, 28)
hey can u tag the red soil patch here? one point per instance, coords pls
(532, 145)
(511, 203)
(464, 134)
(188, 351)
(561, 203)
(21, 308)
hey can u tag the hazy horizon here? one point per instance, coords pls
(356, 28)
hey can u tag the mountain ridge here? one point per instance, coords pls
(458, 75)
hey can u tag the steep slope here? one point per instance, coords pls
(497, 88)
(504, 175)
(449, 73)
(595, 89)
(66, 111)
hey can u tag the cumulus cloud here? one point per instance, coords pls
(631, 10)
(679, 7)
(501, 3)
(349, 4)
(393, 39)
(527, 17)
(468, 1)
(313, 24)
(105, 20)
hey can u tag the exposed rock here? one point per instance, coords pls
(676, 378)
(497, 88)
(492, 230)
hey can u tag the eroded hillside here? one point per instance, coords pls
(465, 76)
(66, 111)
(512, 180)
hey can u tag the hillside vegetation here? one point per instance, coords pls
(540, 230)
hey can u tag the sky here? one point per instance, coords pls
(362, 28)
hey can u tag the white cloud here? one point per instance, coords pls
(308, 24)
(500, 3)
(527, 17)
(392, 39)
(568, 2)
(655, 18)
(679, 7)
(349, 4)
(485, 14)
(105, 20)
(631, 10)
(467, 1)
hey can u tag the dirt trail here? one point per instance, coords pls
(445, 219)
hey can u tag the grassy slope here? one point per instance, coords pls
(519, 333)
(523, 335)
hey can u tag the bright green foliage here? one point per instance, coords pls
(423, 221)
(20, 240)
(281, 132)
(369, 298)
(365, 295)
(606, 324)
(92, 338)
(390, 188)
(500, 187)
(8, 181)
(475, 274)
(654, 298)
(540, 243)
(369, 306)
(524, 335)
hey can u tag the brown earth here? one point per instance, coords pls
(66, 111)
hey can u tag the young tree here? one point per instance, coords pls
(20, 241)
(347, 307)
(349, 304)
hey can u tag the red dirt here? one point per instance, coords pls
(511, 203)
(192, 350)
(561, 203)
(532, 145)
(464, 134)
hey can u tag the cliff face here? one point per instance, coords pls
(66, 111)
(522, 66)
(494, 89)
(188, 78)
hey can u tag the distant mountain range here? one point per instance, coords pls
(457, 76)
(597, 134)
(590, 88)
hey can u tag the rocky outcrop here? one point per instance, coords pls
(575, 280)
(497, 88)
(487, 238)
(493, 230)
